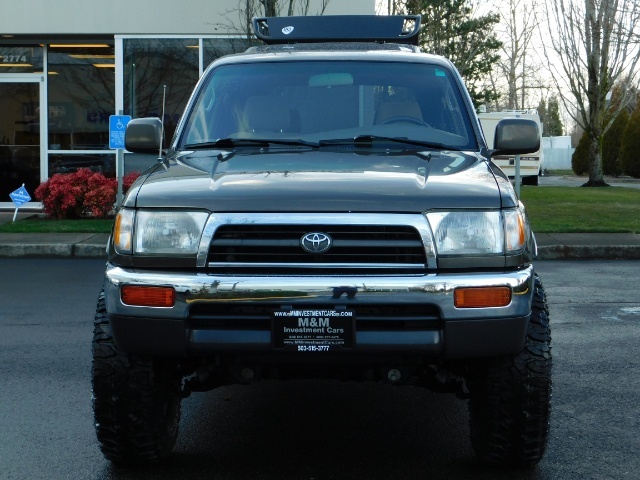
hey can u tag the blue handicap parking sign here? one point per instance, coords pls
(20, 196)
(117, 127)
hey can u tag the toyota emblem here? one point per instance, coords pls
(315, 242)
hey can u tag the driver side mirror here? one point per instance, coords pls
(143, 135)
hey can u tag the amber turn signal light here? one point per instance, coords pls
(140, 296)
(482, 297)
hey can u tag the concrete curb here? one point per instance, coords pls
(584, 252)
(52, 250)
(95, 250)
(54, 245)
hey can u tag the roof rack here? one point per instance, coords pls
(338, 28)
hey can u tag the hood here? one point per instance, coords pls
(320, 181)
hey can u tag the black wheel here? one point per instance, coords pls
(532, 180)
(404, 119)
(510, 397)
(136, 400)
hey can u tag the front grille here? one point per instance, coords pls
(354, 247)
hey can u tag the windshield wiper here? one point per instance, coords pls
(370, 139)
(229, 142)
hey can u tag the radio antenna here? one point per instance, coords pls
(164, 98)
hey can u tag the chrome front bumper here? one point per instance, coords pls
(462, 332)
(436, 289)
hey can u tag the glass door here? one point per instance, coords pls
(21, 148)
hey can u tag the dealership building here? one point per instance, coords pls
(67, 66)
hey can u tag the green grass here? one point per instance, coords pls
(550, 209)
(576, 209)
(559, 173)
(44, 225)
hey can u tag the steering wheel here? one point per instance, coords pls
(405, 119)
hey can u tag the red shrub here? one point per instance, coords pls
(83, 193)
(128, 180)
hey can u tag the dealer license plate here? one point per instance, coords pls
(313, 330)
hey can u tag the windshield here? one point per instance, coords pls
(320, 101)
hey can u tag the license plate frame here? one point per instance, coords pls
(313, 330)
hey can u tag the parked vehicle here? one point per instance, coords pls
(327, 208)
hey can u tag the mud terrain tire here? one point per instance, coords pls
(509, 402)
(136, 400)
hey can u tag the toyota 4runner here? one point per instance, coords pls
(327, 208)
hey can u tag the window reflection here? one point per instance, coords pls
(218, 47)
(149, 65)
(20, 59)
(69, 163)
(81, 96)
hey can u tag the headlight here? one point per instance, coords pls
(479, 233)
(166, 233)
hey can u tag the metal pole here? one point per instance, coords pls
(517, 165)
(517, 179)
(119, 171)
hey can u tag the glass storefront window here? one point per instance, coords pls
(69, 163)
(20, 59)
(152, 64)
(81, 96)
(19, 136)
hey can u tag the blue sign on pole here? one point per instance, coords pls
(117, 127)
(20, 196)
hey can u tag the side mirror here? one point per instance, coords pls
(143, 135)
(516, 136)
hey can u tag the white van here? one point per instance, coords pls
(530, 164)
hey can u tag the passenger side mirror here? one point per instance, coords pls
(143, 135)
(516, 136)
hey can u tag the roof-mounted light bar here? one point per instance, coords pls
(338, 28)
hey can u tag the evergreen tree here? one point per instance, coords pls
(451, 30)
(629, 159)
(550, 117)
(580, 158)
(553, 124)
(542, 113)
(611, 144)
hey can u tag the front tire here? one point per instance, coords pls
(136, 399)
(510, 397)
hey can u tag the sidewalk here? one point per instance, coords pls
(93, 245)
(61, 245)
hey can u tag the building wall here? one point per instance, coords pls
(154, 17)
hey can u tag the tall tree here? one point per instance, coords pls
(517, 29)
(552, 121)
(542, 112)
(594, 44)
(520, 72)
(452, 29)
(270, 7)
(611, 143)
(628, 154)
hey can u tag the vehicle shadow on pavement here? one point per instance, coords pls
(322, 430)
